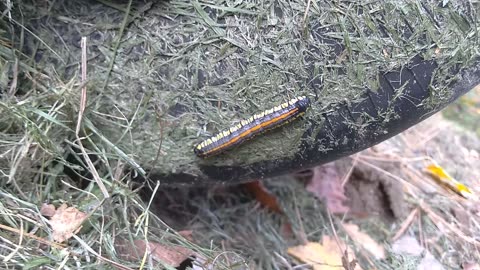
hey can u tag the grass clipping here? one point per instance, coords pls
(59, 145)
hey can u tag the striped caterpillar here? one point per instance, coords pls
(253, 126)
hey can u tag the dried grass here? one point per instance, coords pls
(135, 60)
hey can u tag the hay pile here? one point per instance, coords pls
(162, 74)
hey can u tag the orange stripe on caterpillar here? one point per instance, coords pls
(253, 126)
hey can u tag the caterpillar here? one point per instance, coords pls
(253, 126)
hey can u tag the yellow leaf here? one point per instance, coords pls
(443, 178)
(325, 256)
(365, 241)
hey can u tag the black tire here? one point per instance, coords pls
(404, 60)
(343, 136)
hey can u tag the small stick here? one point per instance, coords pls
(83, 102)
(405, 224)
(30, 235)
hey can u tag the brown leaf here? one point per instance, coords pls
(47, 210)
(66, 222)
(365, 241)
(187, 234)
(286, 230)
(462, 216)
(171, 255)
(326, 185)
(329, 255)
(263, 196)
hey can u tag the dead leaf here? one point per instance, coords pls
(171, 255)
(263, 196)
(365, 241)
(286, 230)
(324, 256)
(407, 245)
(47, 210)
(470, 266)
(66, 222)
(462, 216)
(187, 234)
(326, 185)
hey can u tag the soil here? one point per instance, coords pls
(375, 194)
